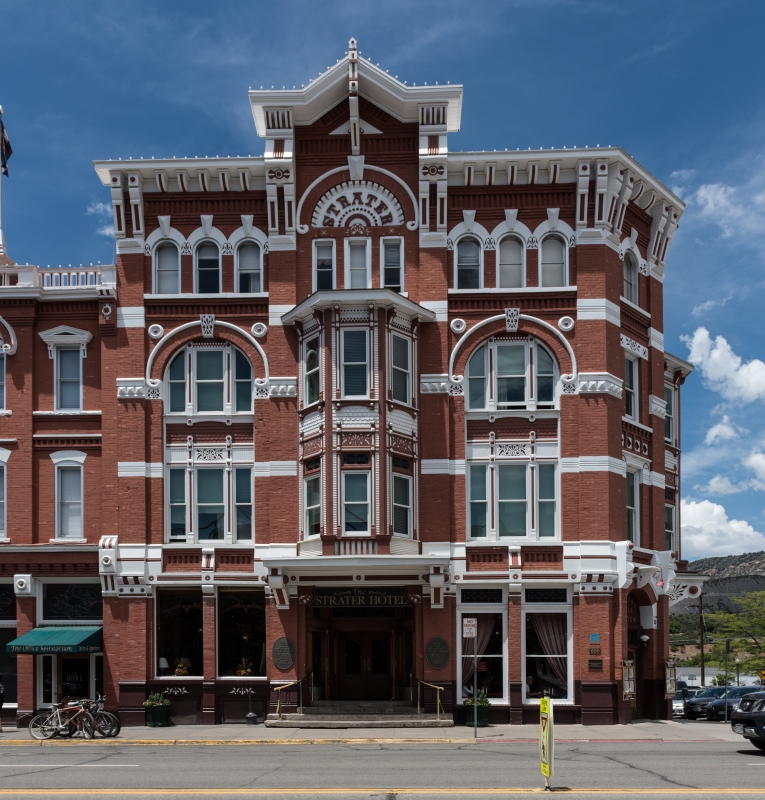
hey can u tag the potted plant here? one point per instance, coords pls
(483, 710)
(182, 667)
(244, 668)
(157, 711)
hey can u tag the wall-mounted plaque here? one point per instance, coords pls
(283, 653)
(361, 597)
(437, 652)
(595, 665)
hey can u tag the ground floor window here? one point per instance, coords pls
(179, 632)
(8, 674)
(546, 656)
(68, 676)
(241, 634)
(489, 647)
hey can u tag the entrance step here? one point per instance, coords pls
(359, 714)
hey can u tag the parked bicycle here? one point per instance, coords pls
(78, 716)
(107, 724)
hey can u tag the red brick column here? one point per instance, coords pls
(26, 614)
(209, 646)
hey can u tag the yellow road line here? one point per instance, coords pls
(118, 741)
(372, 790)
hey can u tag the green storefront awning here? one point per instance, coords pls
(70, 639)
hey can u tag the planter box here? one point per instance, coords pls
(158, 716)
(483, 716)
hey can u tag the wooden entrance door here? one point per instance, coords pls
(365, 666)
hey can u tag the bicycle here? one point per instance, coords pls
(66, 718)
(106, 723)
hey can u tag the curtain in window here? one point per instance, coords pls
(485, 628)
(552, 631)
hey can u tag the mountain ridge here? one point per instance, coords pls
(730, 566)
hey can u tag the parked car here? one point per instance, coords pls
(678, 703)
(697, 706)
(749, 719)
(716, 709)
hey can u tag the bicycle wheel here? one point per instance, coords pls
(117, 725)
(68, 731)
(87, 725)
(106, 724)
(43, 726)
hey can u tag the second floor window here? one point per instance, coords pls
(669, 419)
(392, 271)
(208, 269)
(357, 274)
(402, 505)
(356, 502)
(400, 370)
(68, 378)
(312, 387)
(249, 272)
(69, 516)
(168, 269)
(630, 388)
(469, 263)
(355, 364)
(633, 518)
(313, 506)
(325, 266)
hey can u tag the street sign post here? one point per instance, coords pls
(470, 631)
(546, 739)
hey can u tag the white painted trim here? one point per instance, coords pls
(367, 241)
(594, 464)
(76, 456)
(598, 309)
(275, 313)
(269, 469)
(600, 383)
(633, 347)
(442, 466)
(131, 317)
(637, 424)
(656, 339)
(138, 469)
(656, 479)
(4, 455)
(439, 307)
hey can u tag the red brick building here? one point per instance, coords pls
(330, 401)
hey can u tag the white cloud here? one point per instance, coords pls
(723, 431)
(721, 484)
(723, 371)
(100, 210)
(756, 462)
(105, 230)
(738, 211)
(702, 308)
(682, 174)
(707, 531)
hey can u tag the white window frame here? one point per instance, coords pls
(306, 479)
(234, 505)
(670, 415)
(246, 243)
(392, 240)
(409, 508)
(316, 243)
(566, 277)
(57, 367)
(629, 259)
(199, 246)
(673, 547)
(480, 262)
(523, 261)
(635, 415)
(68, 461)
(530, 376)
(368, 474)
(169, 539)
(40, 610)
(155, 261)
(343, 393)
(409, 382)
(355, 240)
(227, 496)
(469, 609)
(636, 473)
(229, 383)
(3, 380)
(548, 608)
(492, 501)
(310, 338)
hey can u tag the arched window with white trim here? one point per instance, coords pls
(552, 267)
(249, 274)
(208, 268)
(510, 272)
(630, 278)
(168, 269)
(468, 263)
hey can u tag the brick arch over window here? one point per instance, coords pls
(555, 342)
(163, 352)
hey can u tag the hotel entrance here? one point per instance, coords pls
(361, 643)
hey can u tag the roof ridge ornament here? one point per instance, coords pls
(353, 96)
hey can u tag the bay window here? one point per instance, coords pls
(355, 363)
(311, 388)
(468, 263)
(523, 375)
(324, 266)
(208, 269)
(400, 369)
(312, 505)
(356, 502)
(546, 662)
(402, 505)
(249, 269)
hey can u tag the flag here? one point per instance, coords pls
(5, 148)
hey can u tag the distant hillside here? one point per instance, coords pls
(721, 594)
(730, 566)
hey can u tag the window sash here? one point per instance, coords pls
(210, 389)
(468, 264)
(392, 272)
(400, 369)
(210, 504)
(69, 379)
(325, 266)
(356, 502)
(355, 370)
(630, 275)
(402, 505)
(312, 506)
(477, 379)
(510, 264)
(633, 533)
(312, 365)
(242, 382)
(168, 269)
(2, 502)
(669, 527)
(70, 503)
(511, 366)
(357, 265)
(630, 388)
(478, 501)
(2, 381)
(178, 523)
(208, 269)
(669, 419)
(249, 269)
(243, 503)
(553, 262)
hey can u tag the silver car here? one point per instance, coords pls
(678, 703)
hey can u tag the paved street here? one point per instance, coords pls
(384, 770)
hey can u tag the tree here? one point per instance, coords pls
(746, 623)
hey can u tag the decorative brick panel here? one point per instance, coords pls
(182, 561)
(487, 559)
(542, 558)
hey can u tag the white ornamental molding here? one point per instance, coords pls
(634, 347)
(259, 330)
(434, 384)
(512, 317)
(657, 406)
(356, 416)
(685, 588)
(600, 383)
(156, 331)
(516, 450)
(207, 321)
(283, 387)
(566, 324)
(128, 388)
(458, 325)
(8, 347)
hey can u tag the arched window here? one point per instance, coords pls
(510, 273)
(250, 272)
(208, 269)
(219, 378)
(469, 263)
(553, 267)
(630, 278)
(168, 269)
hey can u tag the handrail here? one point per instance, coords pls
(439, 689)
(299, 684)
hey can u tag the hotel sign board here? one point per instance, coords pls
(361, 597)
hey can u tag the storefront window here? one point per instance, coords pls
(491, 662)
(241, 634)
(546, 656)
(8, 665)
(64, 602)
(179, 632)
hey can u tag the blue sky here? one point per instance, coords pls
(680, 86)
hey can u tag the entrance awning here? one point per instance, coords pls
(48, 641)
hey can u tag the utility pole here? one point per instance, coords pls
(701, 638)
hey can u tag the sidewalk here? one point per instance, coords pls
(648, 731)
